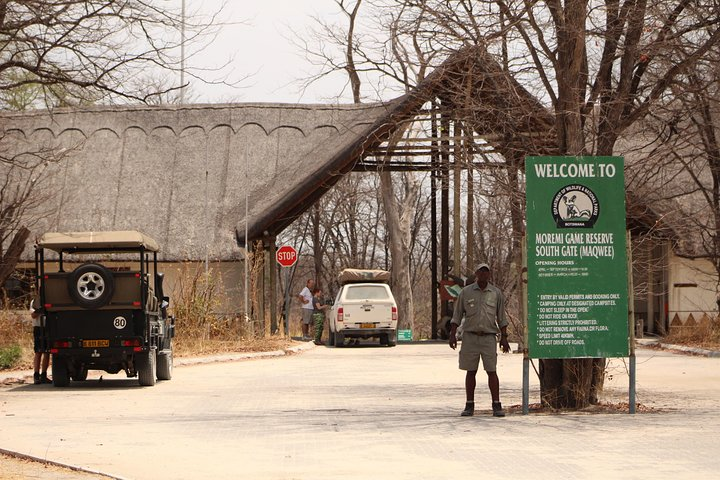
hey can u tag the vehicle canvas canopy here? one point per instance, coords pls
(356, 275)
(97, 242)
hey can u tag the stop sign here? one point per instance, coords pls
(286, 256)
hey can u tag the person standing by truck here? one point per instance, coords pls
(318, 315)
(41, 359)
(305, 296)
(483, 307)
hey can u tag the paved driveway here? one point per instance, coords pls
(365, 412)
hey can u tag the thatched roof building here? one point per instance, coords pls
(182, 174)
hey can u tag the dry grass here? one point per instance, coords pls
(16, 329)
(706, 336)
(599, 408)
(199, 331)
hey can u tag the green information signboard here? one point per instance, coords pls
(576, 257)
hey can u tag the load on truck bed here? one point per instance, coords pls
(356, 275)
(363, 308)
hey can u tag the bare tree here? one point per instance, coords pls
(90, 49)
(399, 209)
(56, 53)
(681, 166)
(23, 201)
(595, 68)
(547, 78)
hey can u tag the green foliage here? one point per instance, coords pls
(10, 356)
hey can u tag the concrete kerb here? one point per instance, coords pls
(25, 376)
(233, 357)
(44, 461)
(653, 342)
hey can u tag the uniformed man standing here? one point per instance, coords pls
(483, 307)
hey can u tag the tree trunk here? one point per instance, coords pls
(12, 256)
(572, 382)
(399, 240)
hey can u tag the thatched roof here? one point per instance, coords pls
(181, 174)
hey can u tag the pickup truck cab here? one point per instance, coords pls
(364, 307)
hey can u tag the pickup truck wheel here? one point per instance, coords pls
(146, 366)
(331, 338)
(383, 339)
(165, 364)
(339, 339)
(60, 373)
(392, 339)
(91, 285)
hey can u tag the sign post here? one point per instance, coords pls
(286, 256)
(577, 291)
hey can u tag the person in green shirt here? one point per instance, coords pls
(483, 306)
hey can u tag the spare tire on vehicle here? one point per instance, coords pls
(91, 285)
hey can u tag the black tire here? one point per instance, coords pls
(60, 372)
(392, 339)
(165, 364)
(91, 285)
(383, 339)
(80, 374)
(339, 339)
(146, 366)
(331, 338)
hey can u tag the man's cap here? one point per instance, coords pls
(481, 266)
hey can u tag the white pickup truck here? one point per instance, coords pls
(363, 308)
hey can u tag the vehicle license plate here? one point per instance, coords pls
(96, 343)
(367, 308)
(367, 325)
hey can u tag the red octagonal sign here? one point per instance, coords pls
(286, 256)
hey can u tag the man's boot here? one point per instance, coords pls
(469, 409)
(497, 409)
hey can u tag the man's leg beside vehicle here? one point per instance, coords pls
(306, 321)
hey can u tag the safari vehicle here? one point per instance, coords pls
(363, 308)
(100, 317)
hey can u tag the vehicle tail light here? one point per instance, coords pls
(48, 305)
(394, 314)
(61, 344)
(130, 343)
(340, 314)
(137, 275)
(136, 304)
(137, 349)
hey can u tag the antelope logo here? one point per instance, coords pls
(575, 206)
(572, 210)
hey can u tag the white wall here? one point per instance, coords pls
(684, 298)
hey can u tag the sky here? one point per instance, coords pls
(254, 39)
